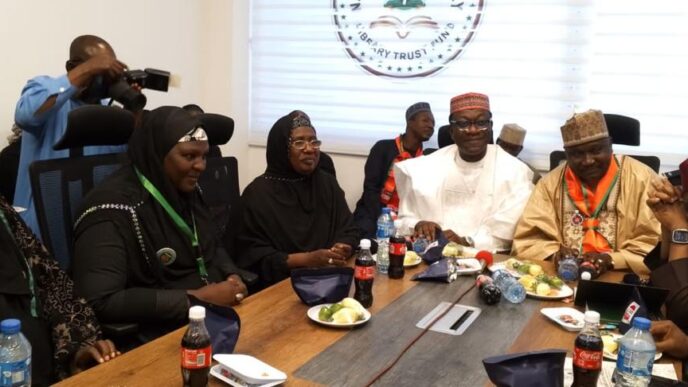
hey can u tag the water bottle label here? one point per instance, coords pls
(364, 273)
(590, 360)
(630, 312)
(196, 358)
(15, 373)
(397, 248)
(635, 362)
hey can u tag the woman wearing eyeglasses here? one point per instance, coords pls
(294, 214)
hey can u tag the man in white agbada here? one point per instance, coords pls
(473, 192)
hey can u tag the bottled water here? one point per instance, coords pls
(568, 268)
(15, 355)
(385, 228)
(636, 356)
(511, 289)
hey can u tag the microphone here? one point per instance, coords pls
(485, 258)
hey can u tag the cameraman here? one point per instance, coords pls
(45, 103)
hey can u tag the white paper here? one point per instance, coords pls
(665, 370)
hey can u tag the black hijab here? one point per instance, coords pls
(285, 212)
(148, 146)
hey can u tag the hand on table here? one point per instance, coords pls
(100, 352)
(564, 251)
(325, 257)
(342, 249)
(670, 339)
(456, 238)
(426, 229)
(226, 293)
(601, 260)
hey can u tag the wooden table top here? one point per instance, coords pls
(276, 330)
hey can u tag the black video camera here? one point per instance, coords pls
(131, 98)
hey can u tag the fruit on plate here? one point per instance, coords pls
(347, 311)
(411, 257)
(610, 344)
(528, 281)
(543, 289)
(452, 249)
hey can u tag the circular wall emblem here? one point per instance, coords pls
(406, 38)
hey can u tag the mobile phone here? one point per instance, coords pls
(674, 177)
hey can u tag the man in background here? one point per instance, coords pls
(511, 140)
(379, 186)
(45, 103)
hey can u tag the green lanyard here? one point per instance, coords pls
(34, 311)
(178, 221)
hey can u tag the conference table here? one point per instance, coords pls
(275, 329)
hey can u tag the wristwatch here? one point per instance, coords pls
(679, 236)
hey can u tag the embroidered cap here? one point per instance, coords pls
(584, 127)
(683, 167)
(469, 101)
(417, 108)
(513, 134)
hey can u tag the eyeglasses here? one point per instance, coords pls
(301, 144)
(465, 125)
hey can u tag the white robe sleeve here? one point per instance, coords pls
(408, 209)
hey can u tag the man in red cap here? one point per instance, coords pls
(472, 191)
(593, 205)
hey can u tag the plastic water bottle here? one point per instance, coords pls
(568, 268)
(511, 289)
(15, 355)
(385, 227)
(636, 356)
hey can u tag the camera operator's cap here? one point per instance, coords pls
(683, 168)
(583, 128)
(469, 101)
(513, 134)
(417, 108)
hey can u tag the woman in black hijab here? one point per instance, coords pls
(295, 214)
(145, 240)
(61, 327)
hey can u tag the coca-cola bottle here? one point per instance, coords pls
(364, 275)
(489, 292)
(397, 252)
(587, 353)
(196, 352)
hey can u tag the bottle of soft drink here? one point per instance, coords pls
(511, 289)
(588, 270)
(568, 268)
(636, 355)
(397, 251)
(196, 351)
(385, 228)
(489, 292)
(587, 353)
(15, 355)
(364, 275)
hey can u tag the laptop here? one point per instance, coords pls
(610, 299)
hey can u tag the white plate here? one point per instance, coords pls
(470, 265)
(413, 262)
(614, 356)
(315, 310)
(555, 294)
(501, 266)
(226, 376)
(249, 369)
(555, 315)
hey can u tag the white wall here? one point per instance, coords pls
(205, 42)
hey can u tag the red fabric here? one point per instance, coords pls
(389, 196)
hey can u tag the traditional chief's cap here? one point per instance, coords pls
(584, 127)
(469, 101)
(683, 167)
(513, 134)
(417, 108)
